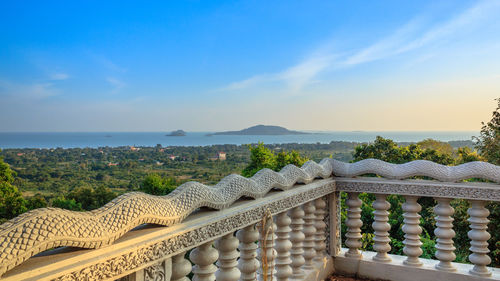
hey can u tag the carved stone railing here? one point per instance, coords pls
(119, 252)
(211, 231)
(380, 265)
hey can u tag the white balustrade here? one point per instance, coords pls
(412, 230)
(228, 266)
(353, 223)
(381, 228)
(266, 252)
(309, 232)
(248, 264)
(283, 246)
(479, 238)
(203, 258)
(444, 234)
(297, 237)
(320, 226)
(180, 268)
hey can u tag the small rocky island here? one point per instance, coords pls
(178, 133)
(260, 130)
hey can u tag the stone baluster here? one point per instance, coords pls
(266, 252)
(353, 223)
(412, 230)
(381, 228)
(228, 266)
(180, 268)
(283, 246)
(203, 258)
(444, 233)
(309, 232)
(479, 238)
(320, 225)
(247, 263)
(297, 237)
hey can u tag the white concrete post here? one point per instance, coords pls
(444, 233)
(266, 252)
(412, 230)
(309, 232)
(228, 266)
(247, 263)
(180, 268)
(283, 246)
(320, 226)
(203, 258)
(353, 223)
(381, 228)
(479, 238)
(297, 237)
(335, 223)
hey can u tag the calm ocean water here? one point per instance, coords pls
(113, 139)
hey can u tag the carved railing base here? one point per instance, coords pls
(396, 271)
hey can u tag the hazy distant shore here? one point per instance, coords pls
(116, 139)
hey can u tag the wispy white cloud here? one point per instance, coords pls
(116, 83)
(30, 91)
(295, 77)
(58, 76)
(106, 62)
(415, 34)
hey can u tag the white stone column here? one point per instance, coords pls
(283, 246)
(247, 263)
(228, 266)
(444, 233)
(334, 206)
(203, 258)
(381, 228)
(266, 252)
(353, 223)
(297, 237)
(412, 230)
(320, 226)
(479, 238)
(180, 268)
(309, 232)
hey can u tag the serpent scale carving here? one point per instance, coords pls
(38, 230)
(430, 169)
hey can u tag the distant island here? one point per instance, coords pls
(262, 130)
(178, 133)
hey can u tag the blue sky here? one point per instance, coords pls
(224, 65)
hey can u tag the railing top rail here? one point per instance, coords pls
(42, 229)
(425, 168)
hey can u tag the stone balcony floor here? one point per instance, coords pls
(338, 277)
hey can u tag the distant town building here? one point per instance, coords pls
(172, 157)
(112, 164)
(133, 148)
(221, 155)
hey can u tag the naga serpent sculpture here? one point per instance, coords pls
(41, 229)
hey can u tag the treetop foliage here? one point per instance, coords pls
(488, 142)
(262, 157)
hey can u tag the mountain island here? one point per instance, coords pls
(262, 130)
(178, 133)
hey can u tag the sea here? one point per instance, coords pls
(116, 139)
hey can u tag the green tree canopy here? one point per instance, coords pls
(12, 202)
(488, 142)
(157, 185)
(389, 151)
(262, 157)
